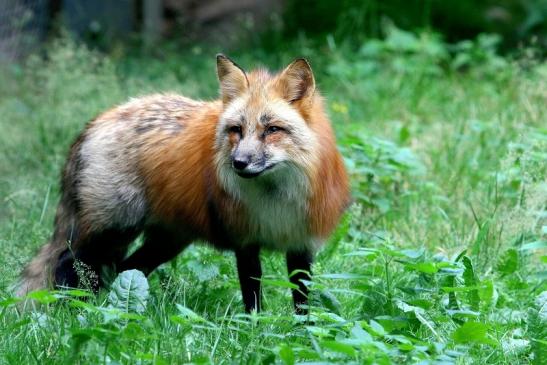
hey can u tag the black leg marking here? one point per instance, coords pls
(90, 254)
(160, 245)
(65, 273)
(301, 262)
(250, 272)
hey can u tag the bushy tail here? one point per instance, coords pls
(38, 274)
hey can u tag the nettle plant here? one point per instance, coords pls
(400, 306)
(380, 169)
(419, 55)
(414, 306)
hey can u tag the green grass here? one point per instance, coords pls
(440, 260)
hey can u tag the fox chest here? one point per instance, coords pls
(276, 224)
(272, 211)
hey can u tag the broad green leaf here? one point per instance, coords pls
(473, 332)
(77, 293)
(84, 305)
(405, 307)
(152, 358)
(329, 301)
(413, 254)
(422, 303)
(460, 256)
(330, 317)
(449, 267)
(400, 339)
(487, 293)
(103, 334)
(377, 328)
(471, 281)
(342, 276)
(204, 272)
(135, 331)
(450, 281)
(339, 347)
(360, 334)
(390, 323)
(279, 283)
(129, 292)
(318, 331)
(425, 267)
(419, 313)
(286, 354)
(462, 313)
(460, 289)
(9, 301)
(364, 253)
(508, 263)
(43, 296)
(189, 314)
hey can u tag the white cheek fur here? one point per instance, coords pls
(233, 111)
(303, 138)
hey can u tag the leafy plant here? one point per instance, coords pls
(129, 292)
(380, 169)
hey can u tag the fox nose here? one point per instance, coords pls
(239, 163)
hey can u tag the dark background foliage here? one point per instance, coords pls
(25, 24)
(514, 20)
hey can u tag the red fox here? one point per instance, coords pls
(258, 169)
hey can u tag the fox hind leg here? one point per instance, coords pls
(40, 272)
(160, 245)
(82, 265)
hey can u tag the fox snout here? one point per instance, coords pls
(240, 163)
(248, 160)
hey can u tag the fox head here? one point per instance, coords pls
(264, 130)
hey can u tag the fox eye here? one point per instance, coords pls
(273, 129)
(235, 129)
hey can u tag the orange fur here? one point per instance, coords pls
(178, 186)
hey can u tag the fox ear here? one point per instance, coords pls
(296, 82)
(233, 80)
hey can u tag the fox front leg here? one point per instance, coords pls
(299, 268)
(250, 272)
